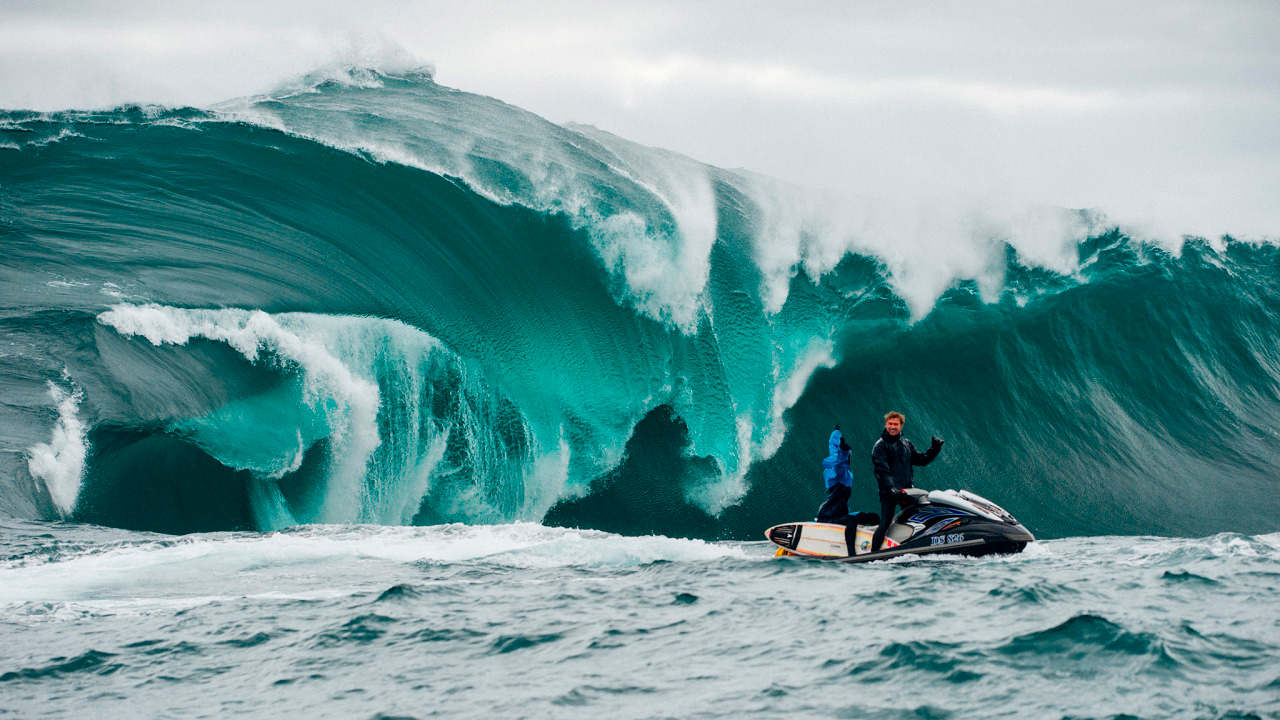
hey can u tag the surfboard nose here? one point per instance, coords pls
(784, 535)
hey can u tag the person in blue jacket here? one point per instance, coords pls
(835, 470)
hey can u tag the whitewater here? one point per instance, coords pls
(370, 397)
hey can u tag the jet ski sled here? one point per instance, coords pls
(955, 522)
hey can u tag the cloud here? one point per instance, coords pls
(789, 83)
(1152, 111)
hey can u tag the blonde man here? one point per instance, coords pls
(894, 459)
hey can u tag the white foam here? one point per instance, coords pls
(61, 135)
(789, 386)
(666, 274)
(325, 379)
(67, 284)
(363, 377)
(195, 567)
(331, 560)
(548, 481)
(784, 229)
(927, 243)
(59, 463)
(575, 549)
(665, 269)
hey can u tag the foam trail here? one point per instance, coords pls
(59, 463)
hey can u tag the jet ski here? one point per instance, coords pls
(955, 522)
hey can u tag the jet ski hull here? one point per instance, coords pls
(944, 522)
(972, 539)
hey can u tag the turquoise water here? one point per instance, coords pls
(374, 396)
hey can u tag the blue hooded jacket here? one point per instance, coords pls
(835, 468)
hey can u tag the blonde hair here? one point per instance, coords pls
(895, 414)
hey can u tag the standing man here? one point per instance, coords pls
(894, 458)
(835, 470)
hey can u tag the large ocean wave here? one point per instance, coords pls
(369, 298)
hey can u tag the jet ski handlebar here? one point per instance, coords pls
(917, 496)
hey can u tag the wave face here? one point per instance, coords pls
(373, 299)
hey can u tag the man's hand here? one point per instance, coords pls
(935, 443)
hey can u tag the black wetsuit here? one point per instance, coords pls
(894, 459)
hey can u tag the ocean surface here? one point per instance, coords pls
(523, 620)
(375, 398)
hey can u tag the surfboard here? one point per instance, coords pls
(823, 540)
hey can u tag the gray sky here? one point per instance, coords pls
(1162, 114)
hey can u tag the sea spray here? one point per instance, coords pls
(59, 463)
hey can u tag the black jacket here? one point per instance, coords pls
(894, 459)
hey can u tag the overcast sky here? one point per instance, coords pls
(1164, 113)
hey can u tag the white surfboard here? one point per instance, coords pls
(823, 540)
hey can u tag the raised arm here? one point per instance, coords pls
(924, 458)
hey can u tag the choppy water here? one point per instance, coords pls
(529, 621)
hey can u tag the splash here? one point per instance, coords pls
(59, 463)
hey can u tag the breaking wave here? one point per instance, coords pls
(369, 298)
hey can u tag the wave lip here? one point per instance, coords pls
(348, 403)
(398, 419)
